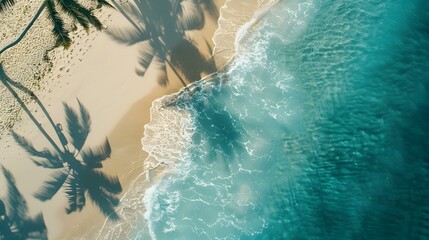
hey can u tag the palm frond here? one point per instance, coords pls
(2, 208)
(51, 187)
(69, 7)
(106, 202)
(6, 226)
(190, 15)
(72, 119)
(85, 118)
(18, 208)
(25, 144)
(211, 8)
(48, 163)
(138, 10)
(5, 4)
(127, 36)
(110, 184)
(188, 59)
(159, 62)
(59, 31)
(36, 225)
(20, 224)
(51, 160)
(92, 19)
(146, 55)
(134, 19)
(75, 194)
(105, 3)
(93, 158)
(78, 129)
(80, 13)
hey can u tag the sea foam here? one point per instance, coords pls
(165, 140)
(318, 122)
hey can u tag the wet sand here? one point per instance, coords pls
(100, 73)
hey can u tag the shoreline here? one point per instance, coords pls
(233, 15)
(78, 73)
(139, 184)
(133, 119)
(183, 134)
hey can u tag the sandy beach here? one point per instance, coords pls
(101, 74)
(214, 119)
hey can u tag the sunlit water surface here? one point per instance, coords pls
(318, 129)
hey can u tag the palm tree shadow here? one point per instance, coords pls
(6, 4)
(211, 8)
(76, 169)
(9, 83)
(159, 29)
(190, 62)
(77, 12)
(215, 126)
(221, 129)
(14, 220)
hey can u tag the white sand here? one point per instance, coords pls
(100, 72)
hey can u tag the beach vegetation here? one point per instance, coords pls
(15, 222)
(5, 4)
(159, 29)
(56, 11)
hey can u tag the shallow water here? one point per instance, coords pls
(317, 129)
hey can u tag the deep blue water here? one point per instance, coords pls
(318, 129)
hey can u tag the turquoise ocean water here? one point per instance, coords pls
(318, 129)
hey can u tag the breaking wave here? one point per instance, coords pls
(317, 128)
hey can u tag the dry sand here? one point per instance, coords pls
(100, 72)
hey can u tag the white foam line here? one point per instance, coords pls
(263, 9)
(260, 13)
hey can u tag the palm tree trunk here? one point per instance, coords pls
(175, 71)
(29, 25)
(38, 125)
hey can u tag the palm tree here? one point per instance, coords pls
(76, 169)
(72, 8)
(14, 220)
(159, 27)
(4, 4)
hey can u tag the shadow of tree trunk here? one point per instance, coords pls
(33, 97)
(7, 83)
(24, 32)
(159, 28)
(76, 169)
